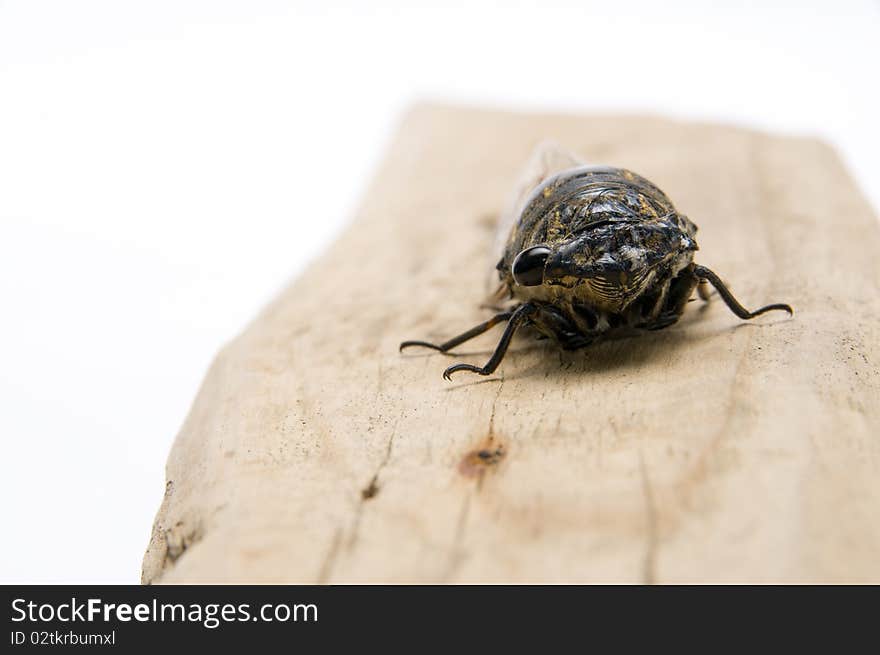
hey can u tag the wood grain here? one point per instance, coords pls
(713, 451)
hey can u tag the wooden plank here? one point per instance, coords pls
(714, 451)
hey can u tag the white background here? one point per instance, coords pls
(162, 175)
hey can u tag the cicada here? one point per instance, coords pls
(588, 250)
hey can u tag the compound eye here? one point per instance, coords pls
(528, 267)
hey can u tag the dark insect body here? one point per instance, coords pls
(595, 249)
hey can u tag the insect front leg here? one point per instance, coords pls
(674, 301)
(519, 316)
(464, 336)
(569, 335)
(703, 273)
(703, 291)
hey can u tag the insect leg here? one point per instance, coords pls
(703, 290)
(517, 318)
(704, 273)
(569, 335)
(676, 298)
(464, 336)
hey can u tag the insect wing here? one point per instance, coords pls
(547, 159)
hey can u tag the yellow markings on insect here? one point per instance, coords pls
(580, 258)
(555, 228)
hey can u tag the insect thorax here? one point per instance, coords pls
(616, 244)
